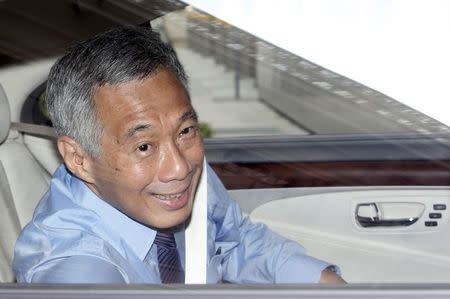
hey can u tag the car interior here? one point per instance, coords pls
(363, 191)
(374, 233)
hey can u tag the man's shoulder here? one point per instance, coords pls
(60, 228)
(49, 239)
(60, 209)
(70, 232)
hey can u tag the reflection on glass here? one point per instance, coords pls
(244, 86)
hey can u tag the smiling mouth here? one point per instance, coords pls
(174, 201)
(169, 197)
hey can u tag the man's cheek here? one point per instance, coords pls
(196, 155)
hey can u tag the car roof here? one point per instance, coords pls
(39, 29)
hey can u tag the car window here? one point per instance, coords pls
(245, 86)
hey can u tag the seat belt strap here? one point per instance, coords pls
(196, 235)
(34, 129)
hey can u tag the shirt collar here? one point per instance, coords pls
(136, 235)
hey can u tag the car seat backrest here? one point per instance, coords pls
(23, 181)
(9, 228)
(5, 118)
(9, 223)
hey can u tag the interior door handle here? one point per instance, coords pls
(388, 214)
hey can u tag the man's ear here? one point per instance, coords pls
(77, 160)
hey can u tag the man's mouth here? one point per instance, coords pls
(173, 201)
(168, 196)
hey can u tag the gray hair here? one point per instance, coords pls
(113, 57)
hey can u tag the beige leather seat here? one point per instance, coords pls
(22, 183)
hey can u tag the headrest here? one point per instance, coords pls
(5, 118)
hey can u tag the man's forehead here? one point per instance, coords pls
(132, 129)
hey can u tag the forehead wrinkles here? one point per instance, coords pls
(116, 103)
(190, 114)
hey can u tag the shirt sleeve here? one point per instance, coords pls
(259, 255)
(78, 269)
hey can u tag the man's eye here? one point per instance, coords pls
(187, 130)
(143, 147)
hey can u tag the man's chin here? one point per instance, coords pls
(173, 219)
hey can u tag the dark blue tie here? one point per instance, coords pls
(169, 263)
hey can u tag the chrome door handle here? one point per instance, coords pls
(370, 222)
(388, 214)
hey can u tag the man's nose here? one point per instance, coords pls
(173, 164)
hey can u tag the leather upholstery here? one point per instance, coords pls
(10, 228)
(5, 117)
(23, 181)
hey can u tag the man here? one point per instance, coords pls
(133, 155)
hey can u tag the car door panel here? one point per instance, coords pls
(325, 223)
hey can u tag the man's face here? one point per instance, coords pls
(151, 150)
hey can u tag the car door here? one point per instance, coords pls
(381, 216)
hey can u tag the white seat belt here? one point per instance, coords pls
(196, 235)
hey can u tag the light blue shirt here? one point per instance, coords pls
(76, 237)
